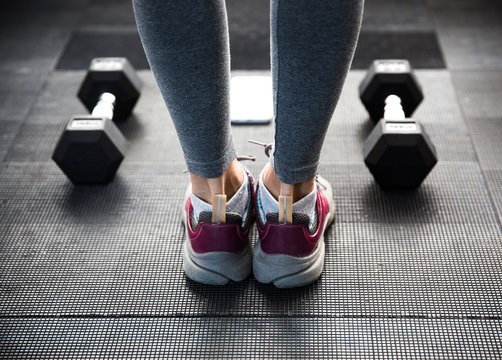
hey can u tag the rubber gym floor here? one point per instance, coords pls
(95, 271)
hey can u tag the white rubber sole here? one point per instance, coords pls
(286, 271)
(217, 267)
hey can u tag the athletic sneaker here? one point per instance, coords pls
(290, 249)
(216, 249)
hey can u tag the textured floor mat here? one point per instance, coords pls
(95, 272)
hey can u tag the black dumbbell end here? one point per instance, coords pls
(90, 150)
(399, 154)
(390, 77)
(113, 75)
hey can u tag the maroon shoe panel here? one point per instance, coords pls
(294, 240)
(219, 237)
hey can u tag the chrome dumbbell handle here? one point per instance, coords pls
(105, 105)
(393, 109)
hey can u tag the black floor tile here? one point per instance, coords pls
(86, 45)
(29, 22)
(108, 14)
(428, 270)
(32, 54)
(465, 4)
(43, 5)
(469, 32)
(33, 39)
(252, 338)
(494, 184)
(18, 92)
(249, 28)
(420, 48)
(486, 135)
(436, 339)
(396, 15)
(479, 93)
(7, 135)
(452, 193)
(186, 338)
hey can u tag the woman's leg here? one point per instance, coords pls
(186, 43)
(187, 46)
(312, 45)
(313, 42)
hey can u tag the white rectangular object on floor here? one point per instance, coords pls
(251, 99)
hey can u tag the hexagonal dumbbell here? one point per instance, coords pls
(91, 148)
(390, 77)
(398, 152)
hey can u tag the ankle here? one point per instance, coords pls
(228, 183)
(277, 188)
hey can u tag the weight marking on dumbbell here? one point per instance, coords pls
(106, 64)
(401, 127)
(86, 124)
(394, 66)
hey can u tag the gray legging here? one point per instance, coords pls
(312, 45)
